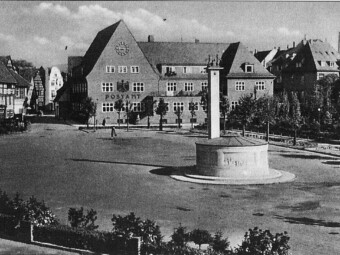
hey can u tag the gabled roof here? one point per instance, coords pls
(236, 57)
(21, 82)
(261, 55)
(191, 54)
(323, 51)
(310, 53)
(96, 48)
(5, 75)
(181, 53)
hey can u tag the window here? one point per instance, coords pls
(331, 64)
(249, 68)
(193, 120)
(110, 69)
(107, 107)
(298, 64)
(169, 69)
(203, 69)
(204, 85)
(193, 105)
(322, 63)
(138, 87)
(188, 86)
(107, 86)
(178, 106)
(171, 86)
(52, 83)
(178, 120)
(134, 69)
(138, 107)
(53, 93)
(122, 69)
(320, 76)
(259, 85)
(186, 69)
(239, 85)
(17, 92)
(234, 104)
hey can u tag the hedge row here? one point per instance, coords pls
(8, 225)
(79, 238)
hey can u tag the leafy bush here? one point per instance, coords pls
(200, 237)
(31, 210)
(180, 237)
(219, 245)
(132, 226)
(77, 218)
(258, 242)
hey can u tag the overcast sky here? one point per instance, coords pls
(39, 31)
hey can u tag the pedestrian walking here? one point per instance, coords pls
(113, 132)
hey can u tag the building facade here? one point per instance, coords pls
(116, 66)
(53, 82)
(7, 93)
(299, 68)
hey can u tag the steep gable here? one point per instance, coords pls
(96, 48)
(235, 59)
(5, 75)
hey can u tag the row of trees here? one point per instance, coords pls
(286, 112)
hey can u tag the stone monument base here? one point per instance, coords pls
(233, 160)
(274, 176)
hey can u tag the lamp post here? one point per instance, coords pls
(319, 113)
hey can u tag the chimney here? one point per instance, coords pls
(197, 41)
(151, 38)
(287, 46)
(293, 44)
(304, 40)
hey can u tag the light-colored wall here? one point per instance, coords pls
(249, 85)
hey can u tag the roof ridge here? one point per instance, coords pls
(189, 42)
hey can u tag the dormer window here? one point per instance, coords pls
(186, 69)
(331, 64)
(249, 68)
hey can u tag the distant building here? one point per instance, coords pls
(39, 92)
(53, 82)
(116, 66)
(22, 87)
(298, 68)
(7, 92)
(266, 56)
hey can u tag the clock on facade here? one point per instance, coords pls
(122, 48)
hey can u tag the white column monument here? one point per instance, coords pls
(231, 159)
(214, 99)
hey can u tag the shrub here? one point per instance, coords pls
(32, 210)
(77, 218)
(219, 244)
(130, 225)
(200, 237)
(180, 237)
(258, 242)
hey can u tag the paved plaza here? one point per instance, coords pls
(67, 167)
